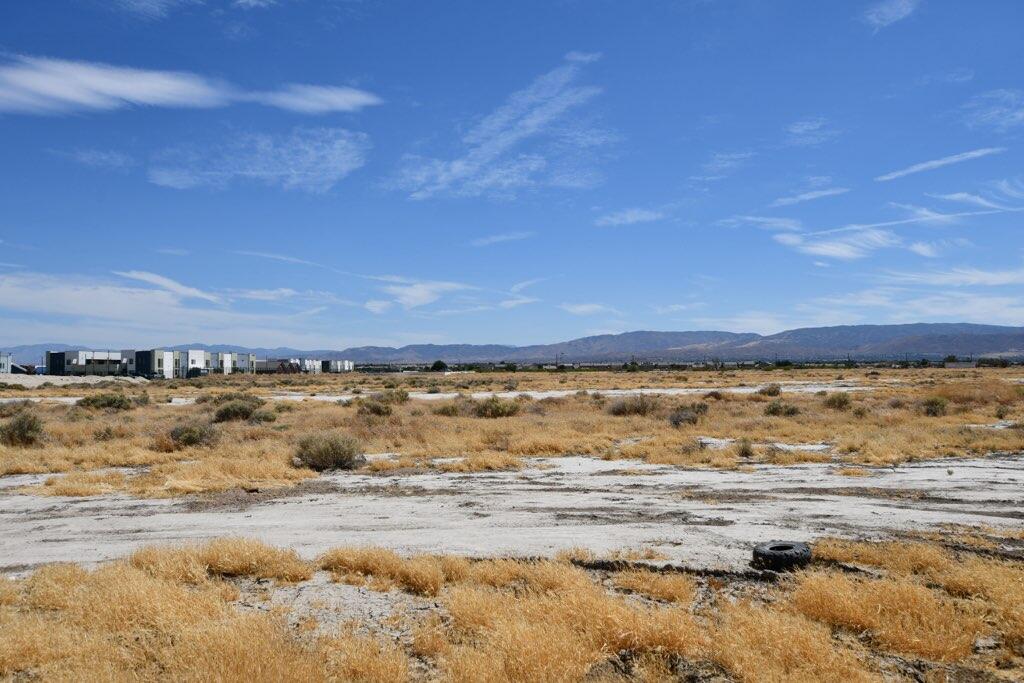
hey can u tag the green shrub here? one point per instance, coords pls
(495, 407)
(770, 390)
(372, 406)
(780, 409)
(934, 406)
(234, 410)
(744, 449)
(185, 435)
(107, 401)
(24, 429)
(713, 394)
(322, 452)
(261, 416)
(840, 400)
(634, 405)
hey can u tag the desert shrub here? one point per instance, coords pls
(700, 407)
(142, 399)
(234, 410)
(106, 401)
(896, 403)
(106, 433)
(744, 449)
(1002, 412)
(198, 434)
(634, 405)
(395, 396)
(779, 409)
(447, 410)
(372, 406)
(683, 416)
(494, 407)
(713, 395)
(511, 385)
(261, 416)
(840, 400)
(284, 407)
(860, 412)
(934, 406)
(12, 408)
(770, 390)
(24, 429)
(230, 397)
(15, 387)
(322, 452)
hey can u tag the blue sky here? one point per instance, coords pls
(329, 173)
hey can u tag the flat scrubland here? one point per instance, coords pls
(863, 611)
(236, 436)
(927, 603)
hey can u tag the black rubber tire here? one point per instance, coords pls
(781, 555)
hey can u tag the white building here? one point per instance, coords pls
(6, 363)
(338, 366)
(191, 362)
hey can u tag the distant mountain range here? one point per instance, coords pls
(914, 340)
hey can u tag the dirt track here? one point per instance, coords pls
(701, 518)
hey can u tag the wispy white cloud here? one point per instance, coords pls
(587, 309)
(315, 99)
(520, 286)
(887, 12)
(998, 109)
(101, 158)
(847, 246)
(499, 238)
(168, 284)
(765, 222)
(953, 76)
(939, 163)
(968, 198)
(898, 305)
(151, 9)
(926, 249)
(310, 159)
(416, 294)
(809, 132)
(629, 217)
(808, 196)
(530, 141)
(279, 294)
(960, 277)
(720, 164)
(678, 308)
(378, 305)
(40, 85)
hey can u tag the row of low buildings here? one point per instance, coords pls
(161, 363)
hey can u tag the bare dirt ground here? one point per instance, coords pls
(699, 518)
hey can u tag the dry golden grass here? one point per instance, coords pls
(883, 426)
(900, 614)
(168, 613)
(668, 587)
(759, 644)
(422, 575)
(853, 472)
(222, 557)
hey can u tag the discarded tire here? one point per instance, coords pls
(781, 555)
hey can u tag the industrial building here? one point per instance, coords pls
(161, 363)
(6, 363)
